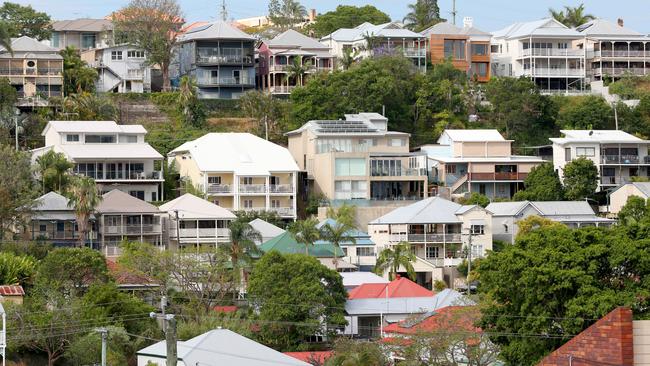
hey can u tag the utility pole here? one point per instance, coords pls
(104, 332)
(224, 11)
(453, 11)
(170, 339)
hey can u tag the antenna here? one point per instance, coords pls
(453, 11)
(224, 11)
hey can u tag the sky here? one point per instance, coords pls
(489, 15)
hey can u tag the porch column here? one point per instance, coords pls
(444, 244)
(268, 196)
(216, 233)
(141, 228)
(197, 233)
(628, 56)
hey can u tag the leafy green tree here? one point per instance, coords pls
(586, 113)
(580, 179)
(87, 349)
(296, 296)
(15, 269)
(337, 233)
(571, 16)
(477, 199)
(286, 14)
(17, 189)
(25, 21)
(78, 77)
(348, 58)
(8, 98)
(83, 198)
(151, 25)
(268, 216)
(88, 107)
(395, 257)
(189, 105)
(70, 270)
(271, 112)
(5, 37)
(305, 232)
(348, 352)
(345, 214)
(634, 211)
(241, 246)
(541, 184)
(189, 327)
(347, 16)
(555, 281)
(422, 15)
(54, 171)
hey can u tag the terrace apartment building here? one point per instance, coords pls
(82, 34)
(613, 50)
(121, 68)
(240, 171)
(468, 48)
(438, 231)
(368, 39)
(542, 50)
(618, 155)
(278, 56)
(480, 161)
(34, 69)
(358, 158)
(116, 156)
(219, 56)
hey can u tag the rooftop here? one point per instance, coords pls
(190, 206)
(24, 47)
(360, 124)
(547, 27)
(603, 28)
(449, 318)
(559, 210)
(83, 25)
(53, 206)
(293, 39)
(406, 305)
(287, 244)
(215, 30)
(118, 202)
(240, 153)
(446, 28)
(353, 279)
(597, 136)
(427, 211)
(361, 238)
(644, 187)
(399, 287)
(382, 30)
(482, 135)
(92, 127)
(266, 229)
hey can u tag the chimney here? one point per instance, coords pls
(468, 22)
(620, 22)
(312, 15)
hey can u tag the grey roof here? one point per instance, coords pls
(24, 47)
(644, 187)
(266, 229)
(117, 201)
(506, 208)
(294, 39)
(597, 136)
(353, 124)
(446, 28)
(427, 211)
(222, 347)
(545, 208)
(548, 27)
(190, 206)
(83, 25)
(215, 30)
(406, 305)
(605, 28)
(386, 30)
(52, 201)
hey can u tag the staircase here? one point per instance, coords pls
(459, 183)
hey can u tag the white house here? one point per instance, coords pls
(542, 50)
(619, 196)
(439, 232)
(240, 171)
(121, 69)
(267, 230)
(116, 156)
(195, 222)
(574, 214)
(618, 155)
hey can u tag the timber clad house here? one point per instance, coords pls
(116, 156)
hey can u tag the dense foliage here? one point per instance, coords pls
(580, 179)
(347, 16)
(541, 184)
(25, 21)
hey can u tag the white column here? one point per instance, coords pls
(295, 192)
(268, 195)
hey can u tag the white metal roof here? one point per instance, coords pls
(92, 126)
(118, 202)
(241, 153)
(215, 30)
(481, 135)
(109, 151)
(52, 201)
(446, 28)
(27, 47)
(406, 305)
(353, 279)
(547, 27)
(603, 28)
(222, 347)
(545, 208)
(266, 229)
(294, 39)
(190, 206)
(597, 136)
(497, 159)
(386, 30)
(427, 211)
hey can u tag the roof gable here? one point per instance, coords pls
(427, 211)
(52, 201)
(449, 318)
(287, 244)
(190, 206)
(117, 201)
(215, 30)
(399, 287)
(548, 27)
(604, 27)
(292, 38)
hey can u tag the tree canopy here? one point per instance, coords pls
(422, 15)
(586, 113)
(347, 16)
(571, 16)
(78, 77)
(541, 184)
(17, 188)
(25, 21)
(580, 179)
(286, 14)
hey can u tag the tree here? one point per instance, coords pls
(271, 112)
(571, 16)
(348, 352)
(8, 99)
(396, 257)
(151, 25)
(297, 70)
(70, 270)
(586, 113)
(16, 269)
(305, 232)
(345, 214)
(86, 350)
(271, 217)
(84, 198)
(347, 16)
(17, 189)
(78, 77)
(54, 171)
(338, 233)
(242, 245)
(87, 106)
(5, 37)
(422, 15)
(25, 21)
(477, 199)
(286, 14)
(297, 297)
(348, 58)
(541, 184)
(634, 211)
(580, 179)
(188, 103)
(555, 281)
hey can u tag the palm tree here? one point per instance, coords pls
(84, 198)
(348, 58)
(422, 15)
(242, 244)
(571, 16)
(372, 42)
(337, 233)
(53, 168)
(5, 37)
(393, 258)
(297, 69)
(345, 214)
(305, 232)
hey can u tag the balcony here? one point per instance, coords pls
(624, 159)
(220, 188)
(415, 52)
(143, 229)
(414, 172)
(63, 235)
(282, 89)
(122, 176)
(426, 238)
(445, 262)
(252, 188)
(615, 181)
(563, 72)
(207, 56)
(282, 211)
(497, 176)
(622, 53)
(618, 71)
(552, 52)
(281, 188)
(226, 81)
(200, 233)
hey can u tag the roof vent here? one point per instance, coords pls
(468, 22)
(620, 22)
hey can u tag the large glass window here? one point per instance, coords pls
(479, 68)
(455, 49)
(333, 145)
(479, 49)
(345, 189)
(350, 167)
(100, 139)
(385, 168)
(585, 151)
(88, 40)
(55, 39)
(116, 55)
(128, 139)
(72, 138)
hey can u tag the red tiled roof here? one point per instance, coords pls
(123, 276)
(399, 287)
(12, 290)
(450, 318)
(309, 357)
(225, 309)
(609, 341)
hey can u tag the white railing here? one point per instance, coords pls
(428, 238)
(281, 188)
(539, 71)
(227, 81)
(200, 233)
(220, 188)
(552, 52)
(415, 52)
(282, 89)
(252, 209)
(623, 53)
(639, 71)
(252, 188)
(565, 92)
(282, 211)
(132, 229)
(445, 262)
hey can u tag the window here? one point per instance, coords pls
(137, 194)
(274, 181)
(567, 154)
(331, 145)
(100, 139)
(477, 229)
(275, 203)
(42, 228)
(609, 172)
(135, 54)
(450, 169)
(397, 142)
(585, 151)
(214, 180)
(88, 40)
(350, 167)
(154, 196)
(345, 189)
(365, 252)
(116, 55)
(433, 252)
(455, 49)
(481, 188)
(248, 203)
(247, 180)
(479, 68)
(128, 139)
(60, 226)
(54, 41)
(72, 138)
(479, 49)
(495, 48)
(563, 46)
(385, 168)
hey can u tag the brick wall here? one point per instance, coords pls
(607, 342)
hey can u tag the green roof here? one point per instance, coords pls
(287, 244)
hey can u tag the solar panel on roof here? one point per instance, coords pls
(344, 126)
(198, 29)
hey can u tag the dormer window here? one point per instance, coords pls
(100, 139)
(72, 138)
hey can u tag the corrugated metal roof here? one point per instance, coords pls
(399, 287)
(644, 187)
(545, 208)
(538, 28)
(92, 126)
(506, 208)
(386, 30)
(427, 211)
(598, 136)
(406, 305)
(11, 290)
(27, 47)
(190, 206)
(287, 244)
(481, 135)
(112, 151)
(83, 25)
(361, 238)
(266, 229)
(294, 39)
(353, 279)
(215, 30)
(52, 201)
(604, 27)
(117, 201)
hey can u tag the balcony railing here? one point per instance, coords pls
(426, 238)
(132, 229)
(200, 233)
(542, 71)
(445, 262)
(623, 159)
(252, 209)
(498, 176)
(415, 52)
(225, 81)
(622, 53)
(281, 188)
(219, 59)
(63, 235)
(123, 176)
(220, 188)
(615, 180)
(283, 211)
(618, 71)
(552, 52)
(282, 89)
(409, 172)
(252, 188)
